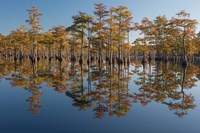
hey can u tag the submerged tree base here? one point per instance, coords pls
(184, 64)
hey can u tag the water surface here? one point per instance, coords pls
(69, 98)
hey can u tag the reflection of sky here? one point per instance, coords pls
(13, 12)
(58, 115)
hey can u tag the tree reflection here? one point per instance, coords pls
(107, 89)
(76, 89)
(169, 85)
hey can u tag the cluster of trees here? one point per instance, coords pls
(168, 39)
(102, 36)
(105, 36)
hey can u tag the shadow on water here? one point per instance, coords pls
(106, 89)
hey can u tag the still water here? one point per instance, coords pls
(53, 97)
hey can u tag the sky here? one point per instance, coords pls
(13, 13)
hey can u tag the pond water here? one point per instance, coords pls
(53, 97)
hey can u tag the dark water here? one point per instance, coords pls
(69, 98)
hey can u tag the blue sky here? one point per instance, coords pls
(59, 12)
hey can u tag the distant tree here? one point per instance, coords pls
(81, 22)
(99, 26)
(19, 40)
(47, 39)
(60, 38)
(123, 18)
(187, 28)
(34, 20)
(3, 45)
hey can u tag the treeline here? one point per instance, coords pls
(104, 36)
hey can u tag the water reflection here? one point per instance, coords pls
(167, 84)
(106, 89)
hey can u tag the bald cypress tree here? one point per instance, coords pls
(34, 21)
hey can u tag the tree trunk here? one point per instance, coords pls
(184, 63)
